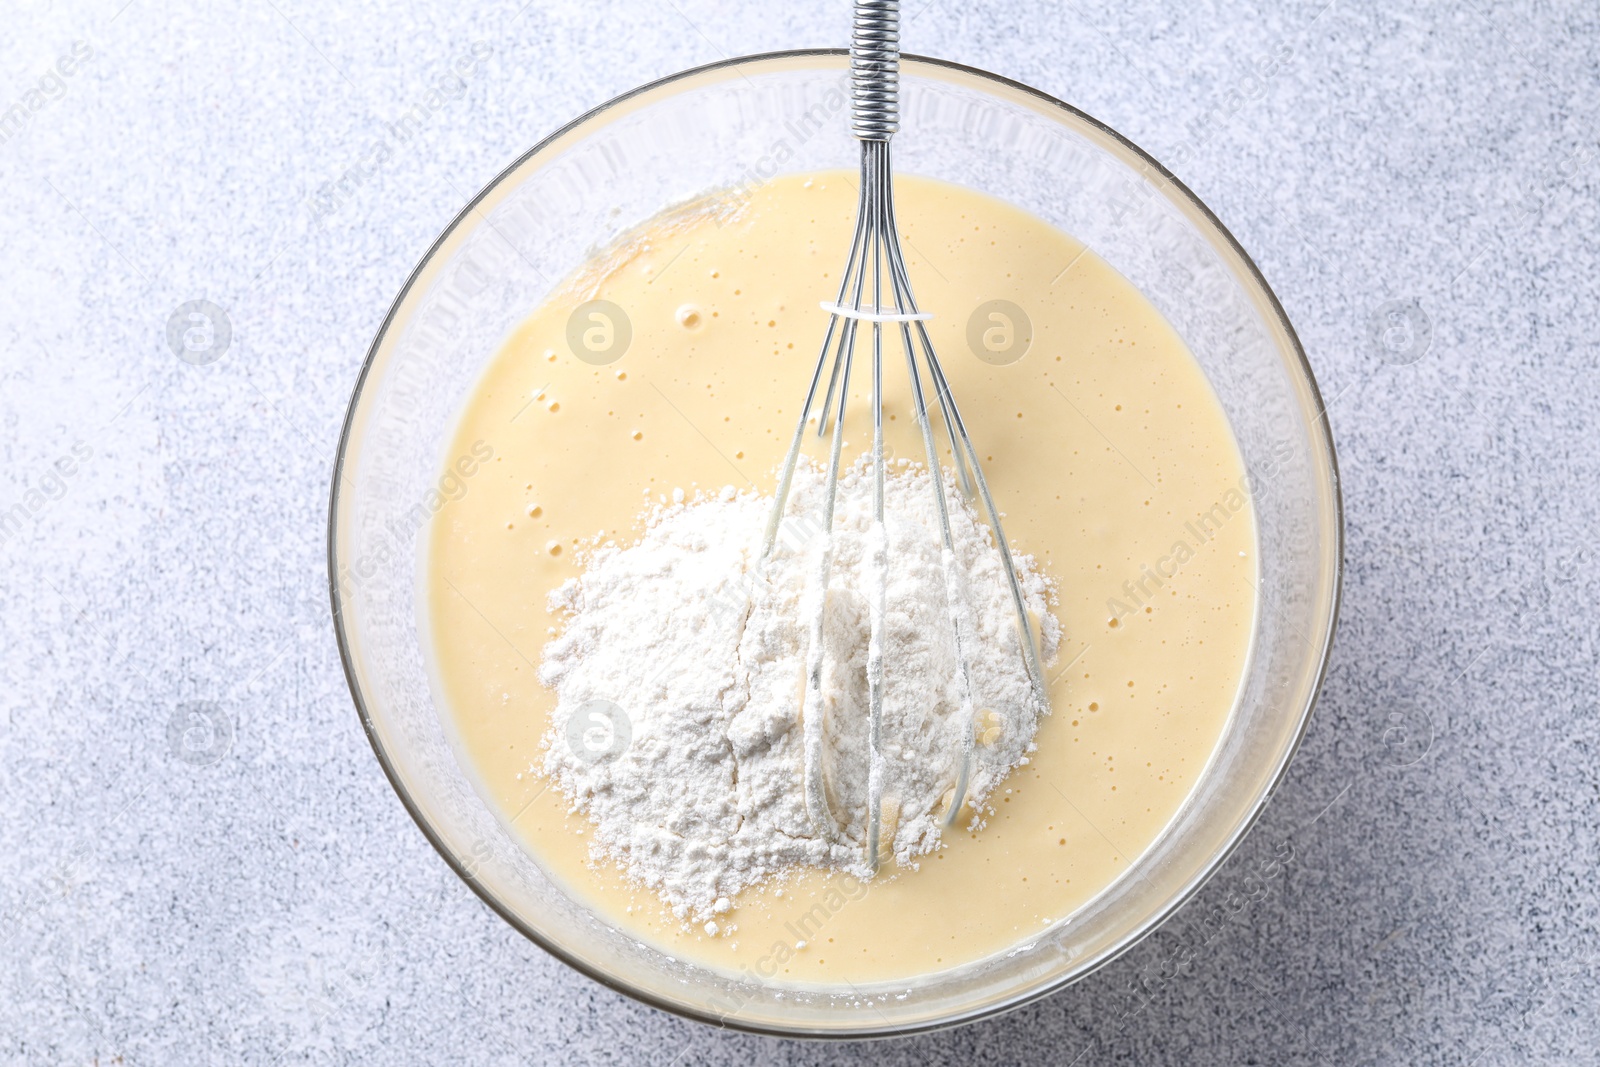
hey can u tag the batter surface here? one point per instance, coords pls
(1103, 444)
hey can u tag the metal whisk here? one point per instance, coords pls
(875, 253)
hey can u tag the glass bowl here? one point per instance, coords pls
(730, 126)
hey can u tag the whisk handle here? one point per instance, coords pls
(875, 70)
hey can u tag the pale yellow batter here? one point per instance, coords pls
(1104, 446)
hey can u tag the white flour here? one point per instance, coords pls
(679, 681)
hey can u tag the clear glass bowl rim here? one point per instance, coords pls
(1320, 429)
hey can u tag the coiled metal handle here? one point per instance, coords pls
(875, 70)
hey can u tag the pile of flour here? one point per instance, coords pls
(679, 681)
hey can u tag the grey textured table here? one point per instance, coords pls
(1441, 904)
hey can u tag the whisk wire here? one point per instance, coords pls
(786, 478)
(877, 561)
(958, 429)
(814, 711)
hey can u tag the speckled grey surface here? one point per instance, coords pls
(276, 905)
